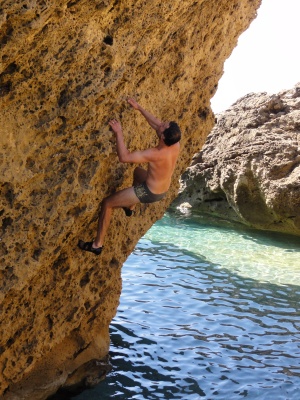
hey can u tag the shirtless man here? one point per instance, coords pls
(148, 186)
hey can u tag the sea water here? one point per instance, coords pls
(208, 310)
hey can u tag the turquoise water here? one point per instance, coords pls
(207, 311)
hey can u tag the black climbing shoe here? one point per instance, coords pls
(88, 246)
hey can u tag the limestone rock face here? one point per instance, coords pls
(66, 69)
(249, 168)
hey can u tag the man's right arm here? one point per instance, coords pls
(152, 121)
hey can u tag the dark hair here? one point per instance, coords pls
(172, 134)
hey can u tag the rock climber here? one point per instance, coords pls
(149, 185)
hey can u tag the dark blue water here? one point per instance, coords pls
(198, 319)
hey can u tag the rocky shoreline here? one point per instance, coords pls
(249, 168)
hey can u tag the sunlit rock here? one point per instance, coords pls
(249, 168)
(66, 69)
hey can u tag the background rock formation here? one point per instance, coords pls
(66, 68)
(249, 168)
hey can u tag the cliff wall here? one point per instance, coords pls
(66, 69)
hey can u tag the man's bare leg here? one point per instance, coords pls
(139, 176)
(123, 198)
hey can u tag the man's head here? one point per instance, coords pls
(171, 134)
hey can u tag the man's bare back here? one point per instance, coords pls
(160, 170)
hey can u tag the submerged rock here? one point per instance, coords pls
(249, 168)
(66, 69)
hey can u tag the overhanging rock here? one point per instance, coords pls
(66, 68)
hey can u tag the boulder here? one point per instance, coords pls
(249, 168)
(67, 67)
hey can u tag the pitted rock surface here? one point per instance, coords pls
(249, 168)
(66, 69)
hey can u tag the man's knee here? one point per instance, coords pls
(139, 175)
(136, 171)
(105, 202)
